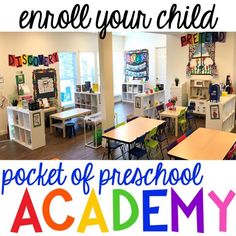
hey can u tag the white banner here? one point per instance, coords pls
(142, 198)
(103, 15)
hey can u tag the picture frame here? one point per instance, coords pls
(137, 102)
(215, 112)
(36, 119)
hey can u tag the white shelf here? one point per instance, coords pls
(145, 104)
(226, 119)
(129, 90)
(88, 101)
(22, 127)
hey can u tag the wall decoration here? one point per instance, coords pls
(201, 59)
(37, 119)
(31, 60)
(215, 112)
(204, 37)
(45, 83)
(136, 65)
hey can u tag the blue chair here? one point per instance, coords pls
(188, 132)
(190, 117)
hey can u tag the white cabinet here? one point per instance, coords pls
(26, 127)
(199, 94)
(181, 93)
(145, 104)
(129, 90)
(221, 115)
(88, 100)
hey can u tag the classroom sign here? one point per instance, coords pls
(141, 198)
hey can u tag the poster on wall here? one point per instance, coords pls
(136, 65)
(44, 83)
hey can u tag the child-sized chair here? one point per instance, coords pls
(151, 143)
(182, 121)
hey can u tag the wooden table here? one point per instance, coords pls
(129, 132)
(66, 115)
(204, 144)
(174, 114)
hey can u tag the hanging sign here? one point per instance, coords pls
(206, 37)
(31, 60)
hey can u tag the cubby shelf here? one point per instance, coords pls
(88, 100)
(129, 90)
(225, 120)
(145, 104)
(24, 130)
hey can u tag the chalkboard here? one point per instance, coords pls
(137, 65)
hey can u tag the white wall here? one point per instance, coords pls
(149, 41)
(34, 44)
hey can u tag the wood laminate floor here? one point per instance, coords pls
(68, 148)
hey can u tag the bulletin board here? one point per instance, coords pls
(45, 83)
(137, 65)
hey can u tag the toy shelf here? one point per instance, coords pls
(129, 90)
(145, 104)
(88, 100)
(225, 110)
(24, 129)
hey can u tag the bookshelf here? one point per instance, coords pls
(129, 90)
(145, 104)
(221, 115)
(88, 100)
(26, 127)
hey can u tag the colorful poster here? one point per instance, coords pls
(136, 65)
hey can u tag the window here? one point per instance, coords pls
(68, 75)
(118, 72)
(88, 67)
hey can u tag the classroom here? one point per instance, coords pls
(129, 96)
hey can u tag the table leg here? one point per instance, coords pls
(85, 133)
(64, 128)
(176, 127)
(109, 151)
(50, 119)
(129, 151)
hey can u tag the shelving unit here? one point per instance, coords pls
(22, 130)
(225, 121)
(181, 93)
(145, 104)
(129, 90)
(199, 94)
(88, 100)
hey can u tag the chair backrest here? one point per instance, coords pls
(132, 118)
(182, 114)
(188, 132)
(172, 145)
(230, 154)
(120, 124)
(181, 138)
(159, 109)
(109, 129)
(151, 133)
(161, 129)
